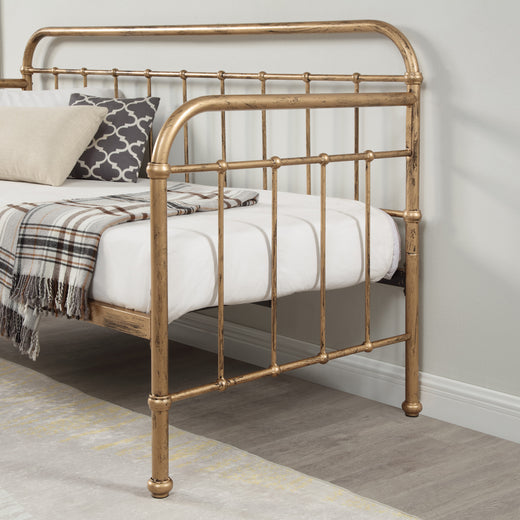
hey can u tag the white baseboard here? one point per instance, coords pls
(474, 407)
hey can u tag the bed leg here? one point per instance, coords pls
(411, 405)
(159, 401)
(160, 484)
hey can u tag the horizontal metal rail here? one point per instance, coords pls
(257, 76)
(223, 384)
(289, 161)
(13, 83)
(268, 29)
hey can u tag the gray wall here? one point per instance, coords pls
(468, 52)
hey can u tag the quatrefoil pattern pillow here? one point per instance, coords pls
(117, 150)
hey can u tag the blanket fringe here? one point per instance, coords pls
(44, 294)
(32, 296)
(24, 337)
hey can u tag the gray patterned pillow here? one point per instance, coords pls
(117, 150)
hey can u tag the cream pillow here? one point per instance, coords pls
(42, 144)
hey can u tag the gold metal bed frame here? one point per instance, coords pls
(154, 326)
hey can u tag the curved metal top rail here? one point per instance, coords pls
(350, 26)
(198, 105)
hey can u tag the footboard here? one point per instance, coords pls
(159, 170)
(404, 92)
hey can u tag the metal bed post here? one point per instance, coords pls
(159, 401)
(412, 216)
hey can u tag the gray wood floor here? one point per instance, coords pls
(423, 466)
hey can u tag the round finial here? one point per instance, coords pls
(325, 159)
(277, 162)
(324, 358)
(222, 165)
(369, 156)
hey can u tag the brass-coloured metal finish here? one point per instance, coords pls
(160, 483)
(356, 138)
(84, 74)
(261, 76)
(149, 94)
(56, 78)
(308, 131)
(223, 120)
(186, 142)
(412, 215)
(274, 262)
(221, 183)
(13, 83)
(293, 161)
(115, 74)
(323, 222)
(333, 27)
(155, 325)
(370, 158)
(118, 318)
(160, 488)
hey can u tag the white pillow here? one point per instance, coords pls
(42, 144)
(48, 98)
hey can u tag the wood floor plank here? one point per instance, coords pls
(423, 466)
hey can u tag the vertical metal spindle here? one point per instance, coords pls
(221, 184)
(368, 160)
(149, 94)
(308, 131)
(116, 82)
(323, 210)
(84, 74)
(185, 129)
(274, 262)
(221, 77)
(56, 79)
(261, 77)
(356, 138)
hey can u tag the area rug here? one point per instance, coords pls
(65, 454)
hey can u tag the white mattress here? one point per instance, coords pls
(122, 275)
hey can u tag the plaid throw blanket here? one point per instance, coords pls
(48, 251)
